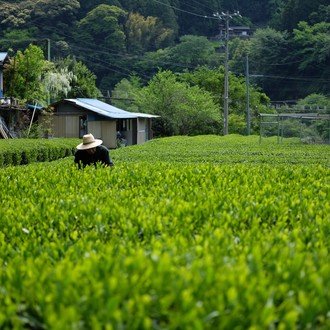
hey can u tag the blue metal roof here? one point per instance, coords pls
(106, 109)
(102, 108)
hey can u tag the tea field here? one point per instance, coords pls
(201, 232)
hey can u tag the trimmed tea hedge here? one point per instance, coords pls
(192, 241)
(25, 151)
(227, 150)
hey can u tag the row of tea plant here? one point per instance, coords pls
(172, 237)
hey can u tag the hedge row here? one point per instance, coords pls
(229, 149)
(25, 151)
(193, 242)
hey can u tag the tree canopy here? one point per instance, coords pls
(184, 109)
(24, 75)
(30, 77)
(96, 47)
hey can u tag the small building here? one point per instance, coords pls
(239, 31)
(234, 32)
(75, 117)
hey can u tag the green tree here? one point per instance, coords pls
(146, 34)
(34, 12)
(289, 13)
(161, 9)
(312, 45)
(212, 81)
(286, 65)
(84, 83)
(189, 53)
(103, 26)
(193, 51)
(87, 5)
(315, 100)
(184, 110)
(24, 75)
(318, 129)
(198, 24)
(305, 68)
(321, 15)
(258, 11)
(238, 50)
(58, 83)
(125, 93)
(19, 38)
(270, 60)
(13, 14)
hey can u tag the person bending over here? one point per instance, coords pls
(91, 151)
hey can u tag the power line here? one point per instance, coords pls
(125, 71)
(177, 64)
(199, 4)
(317, 79)
(184, 11)
(107, 51)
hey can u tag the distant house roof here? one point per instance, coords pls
(106, 110)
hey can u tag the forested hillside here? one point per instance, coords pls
(288, 48)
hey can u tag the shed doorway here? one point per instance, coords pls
(82, 126)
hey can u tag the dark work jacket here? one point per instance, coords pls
(83, 158)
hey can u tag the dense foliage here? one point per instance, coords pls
(116, 38)
(189, 103)
(195, 233)
(25, 151)
(183, 109)
(29, 77)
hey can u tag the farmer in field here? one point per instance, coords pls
(91, 151)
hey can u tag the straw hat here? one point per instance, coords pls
(89, 142)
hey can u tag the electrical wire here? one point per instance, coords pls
(107, 67)
(127, 72)
(105, 50)
(198, 7)
(184, 11)
(114, 68)
(176, 64)
(308, 79)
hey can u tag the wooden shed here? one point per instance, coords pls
(76, 117)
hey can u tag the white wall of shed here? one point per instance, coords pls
(142, 130)
(65, 126)
(94, 127)
(109, 134)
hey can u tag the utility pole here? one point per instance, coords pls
(48, 49)
(226, 17)
(247, 80)
(48, 58)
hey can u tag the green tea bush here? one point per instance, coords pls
(226, 150)
(174, 236)
(25, 151)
